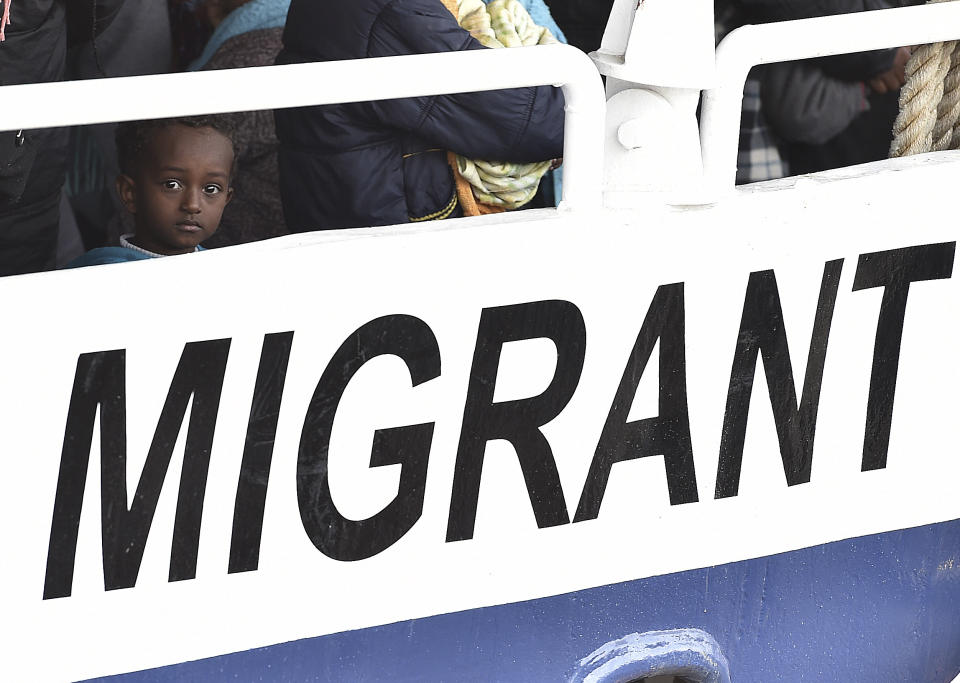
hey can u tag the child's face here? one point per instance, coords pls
(179, 189)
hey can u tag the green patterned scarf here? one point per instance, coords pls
(502, 23)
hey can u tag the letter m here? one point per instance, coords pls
(100, 382)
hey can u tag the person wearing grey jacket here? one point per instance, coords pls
(825, 122)
(826, 112)
(835, 111)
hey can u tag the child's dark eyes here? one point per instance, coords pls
(173, 184)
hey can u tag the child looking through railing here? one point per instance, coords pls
(175, 180)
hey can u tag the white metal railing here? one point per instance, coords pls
(276, 87)
(751, 45)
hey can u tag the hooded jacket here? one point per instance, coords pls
(384, 162)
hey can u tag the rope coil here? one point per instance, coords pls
(929, 118)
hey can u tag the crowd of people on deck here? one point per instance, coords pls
(137, 190)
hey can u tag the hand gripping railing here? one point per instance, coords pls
(749, 46)
(297, 85)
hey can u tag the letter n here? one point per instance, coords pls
(763, 332)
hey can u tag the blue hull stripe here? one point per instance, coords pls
(876, 608)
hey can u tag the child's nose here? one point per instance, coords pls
(191, 201)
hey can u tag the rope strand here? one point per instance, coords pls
(913, 129)
(929, 118)
(948, 111)
(5, 19)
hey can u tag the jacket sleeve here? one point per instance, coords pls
(519, 124)
(87, 19)
(803, 104)
(857, 66)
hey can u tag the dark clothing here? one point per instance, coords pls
(582, 21)
(783, 10)
(384, 162)
(255, 212)
(856, 66)
(34, 52)
(805, 105)
(818, 113)
(190, 31)
(867, 138)
(137, 42)
(32, 162)
(28, 235)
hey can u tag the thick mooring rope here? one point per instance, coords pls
(945, 131)
(929, 118)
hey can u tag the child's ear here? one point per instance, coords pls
(127, 189)
(229, 195)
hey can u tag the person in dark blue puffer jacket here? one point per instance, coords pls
(384, 163)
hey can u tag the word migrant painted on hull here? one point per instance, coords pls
(99, 387)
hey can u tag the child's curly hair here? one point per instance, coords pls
(134, 136)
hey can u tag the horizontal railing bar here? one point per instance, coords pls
(752, 45)
(105, 100)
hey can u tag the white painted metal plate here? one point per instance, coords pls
(609, 265)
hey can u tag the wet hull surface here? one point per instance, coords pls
(884, 607)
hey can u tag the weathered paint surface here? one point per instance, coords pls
(878, 608)
(656, 657)
(857, 613)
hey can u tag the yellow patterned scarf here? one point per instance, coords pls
(492, 186)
